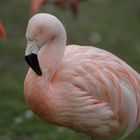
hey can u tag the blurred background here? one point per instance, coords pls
(113, 25)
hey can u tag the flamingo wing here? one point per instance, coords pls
(107, 84)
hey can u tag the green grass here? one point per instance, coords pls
(118, 24)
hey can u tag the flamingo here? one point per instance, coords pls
(84, 88)
(62, 4)
(35, 5)
(2, 32)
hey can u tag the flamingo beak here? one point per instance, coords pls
(31, 57)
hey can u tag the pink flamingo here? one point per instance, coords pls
(36, 4)
(84, 88)
(62, 4)
(3, 34)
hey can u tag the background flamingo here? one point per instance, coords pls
(35, 5)
(84, 88)
(3, 34)
(63, 4)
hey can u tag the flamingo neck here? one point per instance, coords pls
(50, 56)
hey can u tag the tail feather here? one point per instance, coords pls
(129, 110)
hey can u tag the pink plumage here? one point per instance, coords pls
(62, 4)
(3, 34)
(84, 88)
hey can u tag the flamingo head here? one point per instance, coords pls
(41, 29)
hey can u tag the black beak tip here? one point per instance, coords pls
(32, 61)
(39, 73)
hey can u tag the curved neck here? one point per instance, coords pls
(51, 54)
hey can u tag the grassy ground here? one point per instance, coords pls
(113, 25)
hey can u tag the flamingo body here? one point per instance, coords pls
(84, 88)
(62, 4)
(35, 5)
(2, 32)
